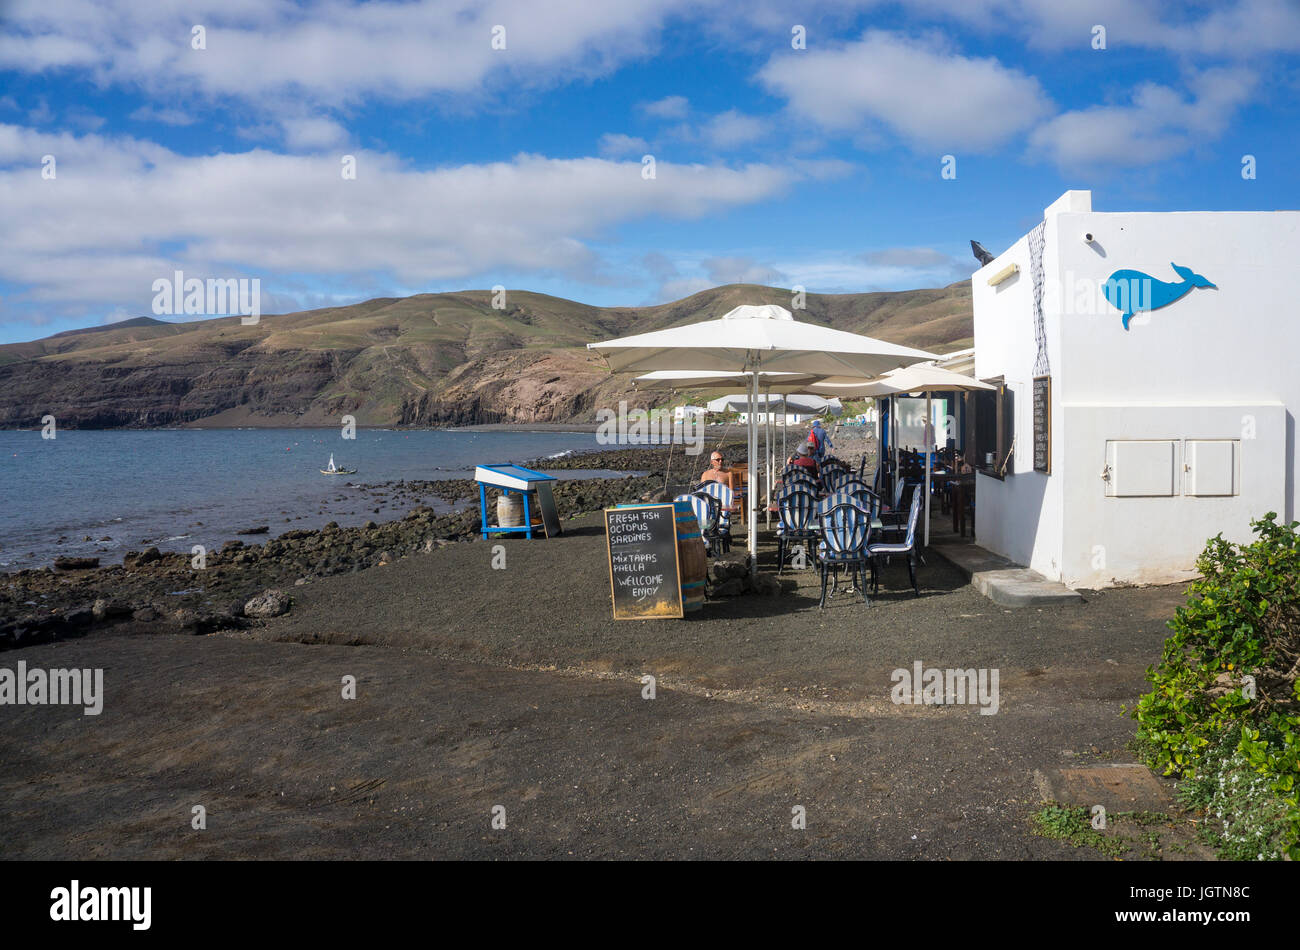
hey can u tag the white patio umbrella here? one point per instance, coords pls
(920, 377)
(752, 340)
(781, 383)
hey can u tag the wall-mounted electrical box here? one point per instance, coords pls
(1212, 467)
(1141, 468)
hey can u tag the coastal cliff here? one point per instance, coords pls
(428, 360)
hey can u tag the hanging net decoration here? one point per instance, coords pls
(1037, 239)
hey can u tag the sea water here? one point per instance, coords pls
(175, 488)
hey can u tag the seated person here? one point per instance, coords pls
(804, 459)
(716, 471)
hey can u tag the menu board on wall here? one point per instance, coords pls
(1043, 424)
(644, 577)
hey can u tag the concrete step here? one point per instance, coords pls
(1005, 582)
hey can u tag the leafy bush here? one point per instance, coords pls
(1234, 742)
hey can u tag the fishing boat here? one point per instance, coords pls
(335, 470)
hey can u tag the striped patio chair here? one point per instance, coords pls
(726, 501)
(797, 475)
(846, 534)
(706, 513)
(834, 478)
(796, 508)
(861, 494)
(882, 551)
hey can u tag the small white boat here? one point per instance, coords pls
(334, 470)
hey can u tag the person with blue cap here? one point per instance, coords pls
(820, 441)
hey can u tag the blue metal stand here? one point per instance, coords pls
(526, 529)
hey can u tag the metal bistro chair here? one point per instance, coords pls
(832, 465)
(726, 501)
(705, 509)
(863, 495)
(796, 508)
(846, 534)
(834, 478)
(884, 550)
(896, 516)
(798, 475)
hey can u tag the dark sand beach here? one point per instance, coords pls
(479, 687)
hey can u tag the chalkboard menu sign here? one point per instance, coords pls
(1043, 424)
(644, 576)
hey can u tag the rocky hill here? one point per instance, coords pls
(427, 360)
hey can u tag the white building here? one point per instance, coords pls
(1149, 440)
(684, 412)
(791, 410)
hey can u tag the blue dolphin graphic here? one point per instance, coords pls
(1133, 291)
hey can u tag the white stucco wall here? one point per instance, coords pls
(1219, 363)
(1018, 517)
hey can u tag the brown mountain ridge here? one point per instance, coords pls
(427, 360)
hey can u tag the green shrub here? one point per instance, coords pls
(1238, 754)
(1073, 826)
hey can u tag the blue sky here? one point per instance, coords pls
(523, 166)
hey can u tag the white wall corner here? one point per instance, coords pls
(1072, 202)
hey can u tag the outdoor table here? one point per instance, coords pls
(960, 485)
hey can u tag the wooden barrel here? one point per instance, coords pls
(692, 559)
(510, 510)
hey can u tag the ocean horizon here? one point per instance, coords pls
(172, 488)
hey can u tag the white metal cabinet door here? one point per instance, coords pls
(1212, 467)
(1140, 468)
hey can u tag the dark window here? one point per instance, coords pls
(991, 422)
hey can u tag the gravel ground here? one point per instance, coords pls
(480, 687)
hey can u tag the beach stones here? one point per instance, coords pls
(106, 609)
(269, 603)
(75, 563)
(722, 569)
(141, 558)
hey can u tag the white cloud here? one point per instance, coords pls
(614, 144)
(731, 129)
(930, 97)
(122, 212)
(334, 53)
(741, 270)
(1159, 123)
(1236, 28)
(313, 133)
(670, 107)
(147, 113)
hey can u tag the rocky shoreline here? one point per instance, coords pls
(240, 583)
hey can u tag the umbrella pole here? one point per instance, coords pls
(752, 514)
(785, 424)
(926, 428)
(895, 415)
(767, 457)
